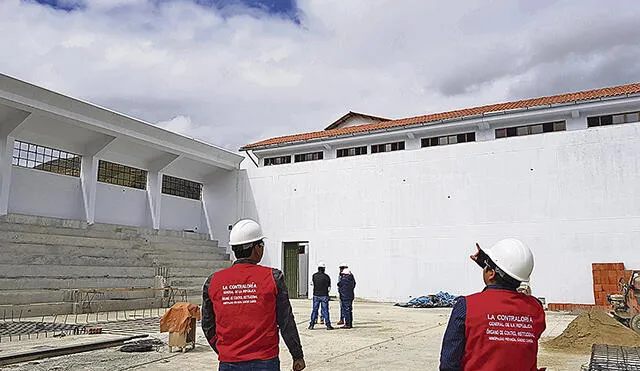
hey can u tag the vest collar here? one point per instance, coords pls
(244, 261)
(498, 287)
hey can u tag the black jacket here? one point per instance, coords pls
(284, 314)
(321, 284)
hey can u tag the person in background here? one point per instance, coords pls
(244, 306)
(496, 329)
(346, 287)
(321, 286)
(341, 267)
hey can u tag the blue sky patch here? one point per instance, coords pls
(284, 8)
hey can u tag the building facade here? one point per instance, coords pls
(69, 159)
(404, 201)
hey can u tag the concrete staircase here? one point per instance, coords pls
(50, 266)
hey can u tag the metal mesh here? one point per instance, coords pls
(613, 357)
(23, 329)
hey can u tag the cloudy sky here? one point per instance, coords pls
(235, 71)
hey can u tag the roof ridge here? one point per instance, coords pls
(458, 113)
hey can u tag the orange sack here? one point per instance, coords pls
(178, 318)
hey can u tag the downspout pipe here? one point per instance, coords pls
(252, 160)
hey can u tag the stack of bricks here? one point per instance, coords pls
(605, 280)
(574, 307)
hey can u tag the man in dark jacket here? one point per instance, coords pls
(321, 284)
(244, 306)
(346, 287)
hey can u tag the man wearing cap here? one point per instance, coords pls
(346, 287)
(321, 283)
(244, 306)
(341, 267)
(496, 329)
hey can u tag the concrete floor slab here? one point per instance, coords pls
(384, 337)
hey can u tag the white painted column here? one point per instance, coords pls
(576, 121)
(6, 151)
(11, 126)
(412, 142)
(88, 181)
(89, 174)
(154, 194)
(154, 185)
(485, 132)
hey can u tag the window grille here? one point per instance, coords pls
(546, 127)
(43, 158)
(181, 187)
(448, 139)
(122, 175)
(387, 147)
(354, 151)
(620, 118)
(277, 160)
(313, 156)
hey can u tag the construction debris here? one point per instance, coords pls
(593, 327)
(439, 300)
(145, 345)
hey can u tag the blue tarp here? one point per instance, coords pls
(439, 300)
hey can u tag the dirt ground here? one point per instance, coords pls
(384, 337)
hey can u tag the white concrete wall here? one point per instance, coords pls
(36, 192)
(406, 221)
(220, 199)
(179, 213)
(122, 205)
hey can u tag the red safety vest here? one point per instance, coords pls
(244, 303)
(502, 329)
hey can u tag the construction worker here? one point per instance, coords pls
(321, 284)
(498, 328)
(346, 287)
(244, 306)
(341, 267)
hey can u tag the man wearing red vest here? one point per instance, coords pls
(244, 306)
(496, 329)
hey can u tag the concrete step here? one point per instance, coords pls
(187, 255)
(16, 297)
(64, 250)
(147, 252)
(188, 281)
(33, 296)
(195, 272)
(48, 239)
(92, 232)
(73, 271)
(78, 260)
(209, 264)
(118, 305)
(29, 283)
(35, 310)
(80, 224)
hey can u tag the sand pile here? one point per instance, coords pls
(593, 327)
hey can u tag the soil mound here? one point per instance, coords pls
(593, 327)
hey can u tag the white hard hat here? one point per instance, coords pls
(245, 231)
(513, 257)
(346, 271)
(322, 265)
(343, 264)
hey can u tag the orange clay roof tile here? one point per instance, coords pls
(521, 104)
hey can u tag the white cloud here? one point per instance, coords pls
(243, 77)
